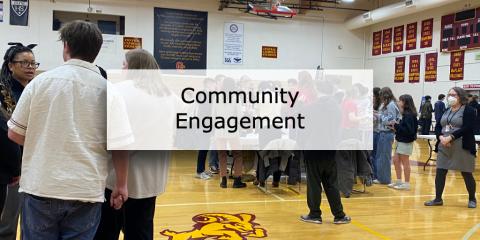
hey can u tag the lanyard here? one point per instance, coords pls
(448, 116)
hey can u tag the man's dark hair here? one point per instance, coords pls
(84, 39)
(441, 96)
(428, 98)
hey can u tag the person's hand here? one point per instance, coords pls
(445, 141)
(118, 197)
(15, 181)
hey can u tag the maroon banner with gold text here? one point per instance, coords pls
(398, 38)
(387, 41)
(426, 33)
(457, 63)
(411, 36)
(377, 43)
(399, 69)
(431, 60)
(414, 69)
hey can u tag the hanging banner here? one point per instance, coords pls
(414, 69)
(431, 60)
(399, 69)
(19, 12)
(387, 41)
(233, 43)
(398, 38)
(180, 38)
(457, 63)
(411, 36)
(426, 33)
(377, 43)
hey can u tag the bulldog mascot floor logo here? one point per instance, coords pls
(221, 226)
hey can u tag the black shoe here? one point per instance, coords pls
(223, 184)
(433, 202)
(237, 183)
(309, 219)
(342, 220)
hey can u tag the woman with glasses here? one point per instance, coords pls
(18, 69)
(457, 146)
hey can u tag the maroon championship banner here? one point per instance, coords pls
(411, 36)
(457, 63)
(398, 38)
(377, 43)
(399, 69)
(387, 41)
(431, 60)
(426, 33)
(414, 69)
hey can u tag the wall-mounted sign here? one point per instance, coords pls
(269, 52)
(377, 43)
(132, 43)
(398, 38)
(471, 86)
(19, 10)
(460, 31)
(1, 11)
(387, 41)
(411, 42)
(233, 43)
(414, 69)
(426, 33)
(431, 60)
(457, 63)
(399, 69)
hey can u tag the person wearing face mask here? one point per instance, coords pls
(457, 146)
(18, 70)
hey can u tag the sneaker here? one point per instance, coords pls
(308, 219)
(343, 220)
(394, 184)
(472, 204)
(403, 186)
(203, 176)
(214, 170)
(375, 181)
(433, 202)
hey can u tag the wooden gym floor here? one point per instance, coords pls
(381, 213)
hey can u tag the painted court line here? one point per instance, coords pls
(369, 230)
(472, 231)
(295, 200)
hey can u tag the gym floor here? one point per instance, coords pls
(380, 213)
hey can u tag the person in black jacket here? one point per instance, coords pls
(474, 103)
(457, 149)
(17, 70)
(405, 134)
(426, 115)
(439, 110)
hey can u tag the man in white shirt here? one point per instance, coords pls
(61, 121)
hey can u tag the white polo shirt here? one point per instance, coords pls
(62, 114)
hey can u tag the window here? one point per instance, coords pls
(108, 24)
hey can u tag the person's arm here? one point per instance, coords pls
(468, 121)
(120, 191)
(406, 126)
(17, 125)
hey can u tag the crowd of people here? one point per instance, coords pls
(56, 172)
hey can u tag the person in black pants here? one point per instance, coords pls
(426, 115)
(321, 165)
(439, 110)
(322, 171)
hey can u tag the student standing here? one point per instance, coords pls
(61, 121)
(439, 110)
(457, 149)
(18, 70)
(426, 115)
(405, 134)
(388, 112)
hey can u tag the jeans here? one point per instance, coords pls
(202, 158)
(383, 157)
(376, 135)
(48, 218)
(135, 219)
